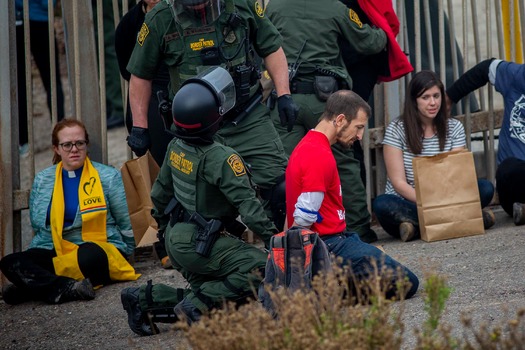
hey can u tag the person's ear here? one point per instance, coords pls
(339, 120)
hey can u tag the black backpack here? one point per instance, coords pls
(295, 257)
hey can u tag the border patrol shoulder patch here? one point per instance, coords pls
(259, 10)
(235, 162)
(144, 31)
(354, 17)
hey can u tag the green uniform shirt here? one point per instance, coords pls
(322, 24)
(163, 39)
(215, 183)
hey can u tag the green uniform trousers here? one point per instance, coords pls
(258, 143)
(354, 193)
(231, 272)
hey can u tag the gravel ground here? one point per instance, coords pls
(485, 272)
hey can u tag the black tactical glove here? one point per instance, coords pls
(139, 140)
(288, 111)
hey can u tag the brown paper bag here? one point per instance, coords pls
(447, 193)
(138, 176)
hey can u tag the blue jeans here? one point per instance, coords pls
(392, 210)
(359, 256)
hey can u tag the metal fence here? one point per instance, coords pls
(447, 36)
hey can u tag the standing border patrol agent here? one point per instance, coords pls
(316, 71)
(191, 35)
(201, 189)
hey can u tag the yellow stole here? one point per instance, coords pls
(93, 210)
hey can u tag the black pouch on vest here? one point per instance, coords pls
(210, 56)
(324, 86)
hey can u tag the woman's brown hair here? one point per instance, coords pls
(421, 82)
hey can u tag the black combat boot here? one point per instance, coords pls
(185, 310)
(138, 321)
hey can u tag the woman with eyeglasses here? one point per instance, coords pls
(80, 218)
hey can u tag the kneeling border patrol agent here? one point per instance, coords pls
(203, 186)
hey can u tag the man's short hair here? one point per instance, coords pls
(345, 102)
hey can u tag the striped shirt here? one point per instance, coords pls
(395, 137)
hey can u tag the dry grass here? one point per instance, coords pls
(330, 316)
(334, 316)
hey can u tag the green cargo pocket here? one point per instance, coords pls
(182, 233)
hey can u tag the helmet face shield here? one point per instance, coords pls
(200, 12)
(222, 83)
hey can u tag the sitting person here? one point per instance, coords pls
(509, 80)
(80, 217)
(313, 190)
(209, 180)
(423, 129)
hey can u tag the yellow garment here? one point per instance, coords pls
(93, 210)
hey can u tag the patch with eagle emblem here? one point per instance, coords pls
(235, 162)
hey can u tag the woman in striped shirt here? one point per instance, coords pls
(424, 129)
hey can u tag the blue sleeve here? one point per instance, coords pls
(510, 77)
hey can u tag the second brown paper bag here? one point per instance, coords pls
(447, 193)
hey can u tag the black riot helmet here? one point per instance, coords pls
(200, 103)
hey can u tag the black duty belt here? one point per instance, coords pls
(302, 87)
(183, 216)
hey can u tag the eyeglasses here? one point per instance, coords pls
(68, 146)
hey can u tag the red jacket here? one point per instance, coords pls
(382, 14)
